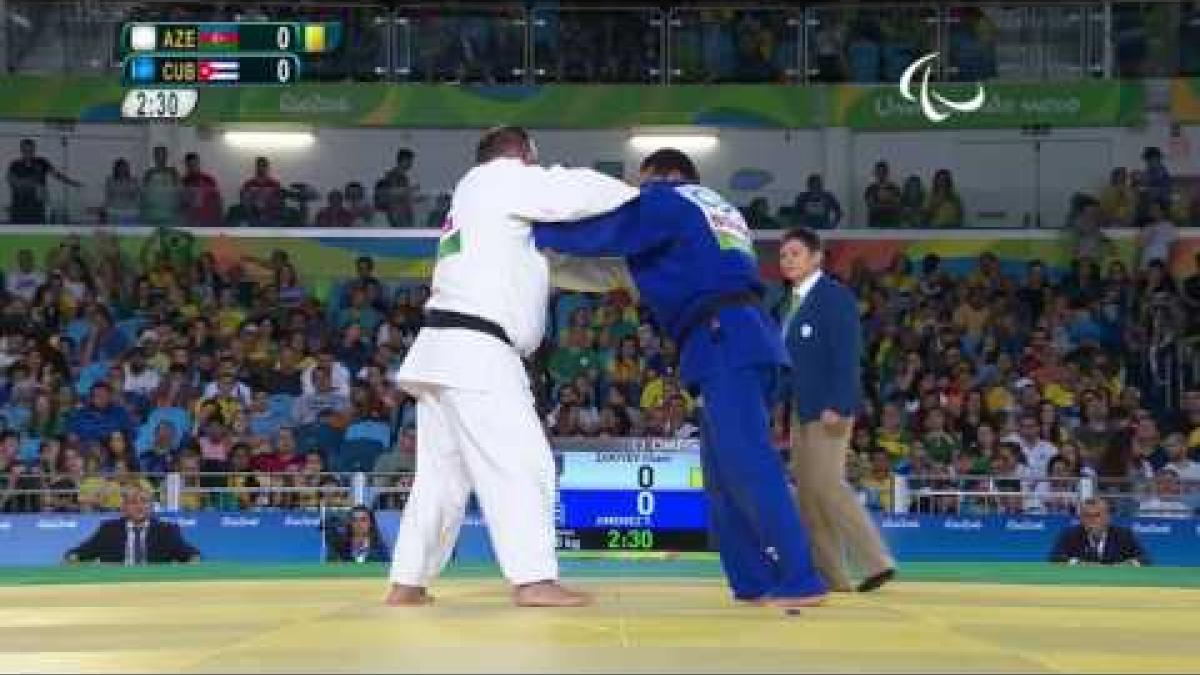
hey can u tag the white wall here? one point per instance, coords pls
(845, 158)
(86, 154)
(442, 156)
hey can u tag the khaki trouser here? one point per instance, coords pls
(838, 525)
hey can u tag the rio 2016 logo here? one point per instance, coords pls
(929, 98)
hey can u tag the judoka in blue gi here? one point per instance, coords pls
(692, 258)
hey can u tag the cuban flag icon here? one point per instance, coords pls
(218, 71)
(141, 69)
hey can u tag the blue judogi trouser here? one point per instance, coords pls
(763, 545)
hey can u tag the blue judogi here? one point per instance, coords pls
(686, 246)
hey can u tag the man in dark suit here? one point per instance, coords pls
(1096, 541)
(135, 538)
(823, 336)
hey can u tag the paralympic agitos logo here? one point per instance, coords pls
(933, 103)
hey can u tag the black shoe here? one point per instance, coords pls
(873, 582)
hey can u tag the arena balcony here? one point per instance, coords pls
(660, 43)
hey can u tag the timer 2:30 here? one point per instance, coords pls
(157, 104)
(639, 539)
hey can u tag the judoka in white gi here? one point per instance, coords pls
(477, 427)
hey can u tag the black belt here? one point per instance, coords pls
(710, 308)
(441, 318)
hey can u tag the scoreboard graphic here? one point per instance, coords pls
(165, 64)
(619, 495)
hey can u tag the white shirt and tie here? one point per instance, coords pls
(135, 542)
(799, 295)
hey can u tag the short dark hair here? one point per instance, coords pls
(804, 235)
(668, 160)
(405, 153)
(190, 156)
(502, 141)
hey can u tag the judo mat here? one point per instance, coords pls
(650, 616)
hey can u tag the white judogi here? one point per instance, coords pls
(476, 422)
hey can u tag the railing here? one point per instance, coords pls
(1163, 496)
(483, 45)
(200, 491)
(715, 44)
(522, 43)
(598, 44)
(931, 493)
(940, 493)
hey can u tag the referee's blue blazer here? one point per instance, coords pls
(824, 342)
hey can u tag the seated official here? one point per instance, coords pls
(1096, 541)
(359, 540)
(136, 538)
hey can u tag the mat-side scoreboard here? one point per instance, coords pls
(631, 495)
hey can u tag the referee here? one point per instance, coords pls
(823, 337)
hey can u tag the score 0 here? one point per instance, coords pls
(283, 68)
(645, 498)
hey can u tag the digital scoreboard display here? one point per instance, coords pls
(165, 64)
(631, 495)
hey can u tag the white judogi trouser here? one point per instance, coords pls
(492, 441)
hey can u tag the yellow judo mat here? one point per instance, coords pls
(130, 621)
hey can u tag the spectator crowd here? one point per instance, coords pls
(115, 369)
(233, 373)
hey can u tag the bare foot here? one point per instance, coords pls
(793, 603)
(549, 594)
(407, 596)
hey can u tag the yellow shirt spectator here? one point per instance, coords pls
(188, 310)
(1117, 203)
(899, 282)
(654, 395)
(229, 319)
(879, 486)
(162, 276)
(1115, 388)
(624, 371)
(193, 500)
(228, 408)
(306, 497)
(944, 211)
(99, 492)
(160, 362)
(897, 445)
(1059, 395)
(112, 501)
(1000, 398)
(972, 319)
